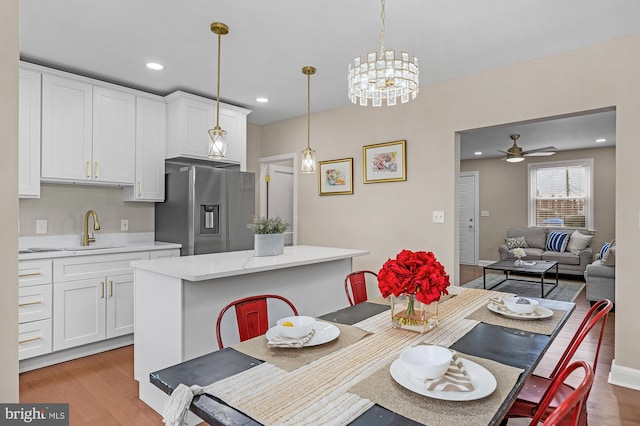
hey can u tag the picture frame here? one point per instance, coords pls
(385, 162)
(335, 177)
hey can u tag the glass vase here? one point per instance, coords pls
(518, 262)
(409, 313)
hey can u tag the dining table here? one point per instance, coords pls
(350, 380)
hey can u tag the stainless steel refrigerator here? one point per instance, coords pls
(206, 210)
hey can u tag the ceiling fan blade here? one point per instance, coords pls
(504, 152)
(547, 150)
(539, 154)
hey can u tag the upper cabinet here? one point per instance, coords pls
(189, 119)
(88, 132)
(150, 152)
(29, 134)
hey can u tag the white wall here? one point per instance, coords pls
(9, 197)
(386, 217)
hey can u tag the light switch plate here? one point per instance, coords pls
(41, 226)
(438, 216)
(124, 225)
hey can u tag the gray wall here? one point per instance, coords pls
(503, 192)
(9, 198)
(64, 207)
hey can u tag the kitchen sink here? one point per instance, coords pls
(82, 248)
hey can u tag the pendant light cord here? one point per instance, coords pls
(308, 111)
(382, 16)
(218, 86)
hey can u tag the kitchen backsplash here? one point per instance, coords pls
(63, 208)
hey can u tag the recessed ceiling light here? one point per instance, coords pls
(477, 153)
(154, 66)
(262, 100)
(600, 140)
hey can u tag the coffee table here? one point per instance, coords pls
(540, 267)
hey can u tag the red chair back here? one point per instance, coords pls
(570, 410)
(355, 284)
(597, 314)
(251, 315)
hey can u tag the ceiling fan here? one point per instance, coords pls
(516, 154)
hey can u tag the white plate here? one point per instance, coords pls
(482, 380)
(325, 333)
(539, 313)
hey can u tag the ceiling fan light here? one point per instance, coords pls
(515, 159)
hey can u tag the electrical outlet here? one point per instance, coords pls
(124, 225)
(41, 226)
(484, 213)
(438, 216)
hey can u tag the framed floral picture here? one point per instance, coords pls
(385, 162)
(335, 177)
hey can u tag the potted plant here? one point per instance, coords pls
(269, 235)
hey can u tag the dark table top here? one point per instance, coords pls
(487, 341)
(507, 265)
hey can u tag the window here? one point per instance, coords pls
(561, 193)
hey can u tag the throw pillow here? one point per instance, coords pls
(603, 250)
(610, 256)
(578, 242)
(516, 242)
(557, 241)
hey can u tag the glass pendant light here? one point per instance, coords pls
(218, 142)
(308, 155)
(383, 77)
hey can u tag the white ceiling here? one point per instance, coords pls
(270, 41)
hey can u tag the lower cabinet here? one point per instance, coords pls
(87, 311)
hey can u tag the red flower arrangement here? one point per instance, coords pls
(417, 273)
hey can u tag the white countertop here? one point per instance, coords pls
(217, 265)
(69, 245)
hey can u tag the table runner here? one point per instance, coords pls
(540, 326)
(381, 389)
(317, 393)
(289, 359)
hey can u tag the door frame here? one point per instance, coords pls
(476, 223)
(264, 162)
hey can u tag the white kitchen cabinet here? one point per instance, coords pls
(34, 308)
(66, 129)
(159, 254)
(88, 132)
(114, 136)
(91, 310)
(189, 119)
(92, 298)
(151, 137)
(29, 134)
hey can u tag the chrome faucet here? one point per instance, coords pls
(86, 239)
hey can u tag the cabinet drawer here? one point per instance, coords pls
(84, 267)
(34, 303)
(34, 338)
(34, 272)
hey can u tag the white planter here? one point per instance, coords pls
(268, 244)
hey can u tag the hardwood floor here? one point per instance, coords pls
(607, 405)
(101, 391)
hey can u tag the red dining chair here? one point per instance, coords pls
(355, 284)
(571, 408)
(530, 396)
(251, 315)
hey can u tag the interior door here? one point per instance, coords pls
(280, 197)
(468, 229)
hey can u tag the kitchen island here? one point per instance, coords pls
(177, 300)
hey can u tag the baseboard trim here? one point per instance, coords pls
(73, 353)
(624, 376)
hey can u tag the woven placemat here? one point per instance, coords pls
(381, 389)
(540, 326)
(290, 359)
